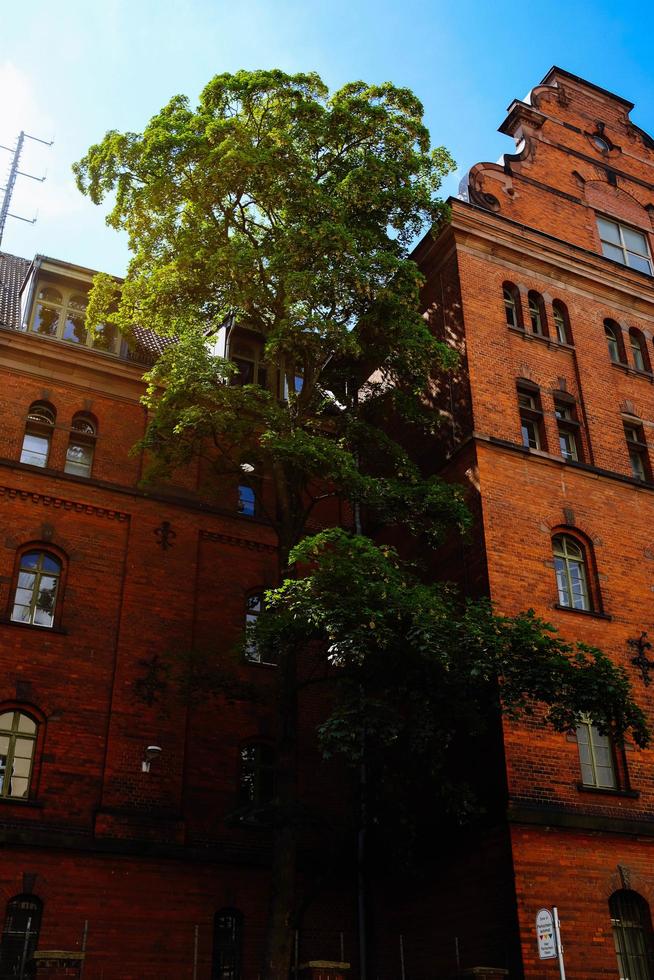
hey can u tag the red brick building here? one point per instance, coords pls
(543, 280)
(121, 825)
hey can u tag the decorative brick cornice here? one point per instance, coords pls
(239, 542)
(46, 500)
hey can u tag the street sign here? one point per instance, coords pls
(545, 935)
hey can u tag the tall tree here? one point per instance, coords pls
(290, 212)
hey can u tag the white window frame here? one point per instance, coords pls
(622, 245)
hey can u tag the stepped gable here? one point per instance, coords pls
(575, 145)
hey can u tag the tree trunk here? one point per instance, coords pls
(281, 914)
(279, 937)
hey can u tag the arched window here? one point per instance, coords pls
(512, 305)
(81, 445)
(35, 599)
(571, 572)
(17, 748)
(632, 935)
(639, 354)
(614, 340)
(561, 322)
(257, 776)
(227, 945)
(20, 935)
(38, 434)
(537, 314)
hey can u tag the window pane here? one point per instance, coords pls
(24, 748)
(26, 580)
(634, 240)
(24, 596)
(637, 354)
(568, 445)
(35, 449)
(246, 500)
(608, 230)
(18, 786)
(613, 252)
(559, 323)
(105, 337)
(637, 465)
(25, 724)
(75, 329)
(637, 262)
(49, 564)
(20, 614)
(78, 459)
(562, 582)
(529, 434)
(53, 295)
(46, 321)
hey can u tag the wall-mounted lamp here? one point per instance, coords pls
(152, 752)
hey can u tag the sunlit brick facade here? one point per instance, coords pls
(543, 280)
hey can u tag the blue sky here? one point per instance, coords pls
(74, 69)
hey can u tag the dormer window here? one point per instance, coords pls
(625, 245)
(60, 313)
(251, 369)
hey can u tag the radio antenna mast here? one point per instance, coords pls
(14, 172)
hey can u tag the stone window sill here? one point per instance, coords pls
(16, 801)
(583, 612)
(526, 335)
(631, 794)
(628, 369)
(33, 626)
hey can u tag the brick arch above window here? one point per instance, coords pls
(617, 204)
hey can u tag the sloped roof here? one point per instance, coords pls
(13, 270)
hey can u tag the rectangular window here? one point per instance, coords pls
(247, 501)
(637, 448)
(595, 757)
(566, 417)
(35, 449)
(531, 418)
(624, 245)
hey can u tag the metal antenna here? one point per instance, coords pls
(14, 172)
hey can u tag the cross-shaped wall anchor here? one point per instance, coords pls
(641, 646)
(165, 535)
